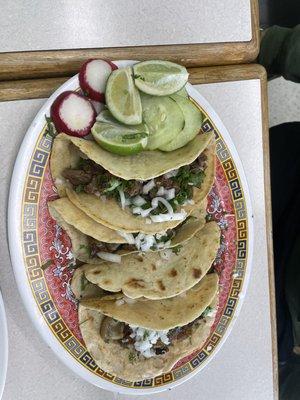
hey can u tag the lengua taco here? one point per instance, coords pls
(146, 192)
(93, 242)
(142, 339)
(162, 274)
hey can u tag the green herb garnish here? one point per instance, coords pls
(146, 334)
(207, 311)
(50, 130)
(176, 249)
(114, 184)
(46, 265)
(79, 188)
(85, 248)
(132, 357)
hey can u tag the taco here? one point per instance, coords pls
(125, 346)
(148, 192)
(158, 275)
(93, 242)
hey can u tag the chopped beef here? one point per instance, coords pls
(96, 246)
(200, 163)
(94, 179)
(160, 348)
(134, 188)
(182, 332)
(77, 176)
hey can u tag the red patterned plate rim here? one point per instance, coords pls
(229, 204)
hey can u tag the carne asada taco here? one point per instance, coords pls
(133, 351)
(137, 198)
(159, 275)
(93, 242)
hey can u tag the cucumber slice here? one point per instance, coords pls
(163, 118)
(193, 121)
(182, 92)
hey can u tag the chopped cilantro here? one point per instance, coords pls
(86, 248)
(206, 311)
(79, 188)
(132, 357)
(176, 249)
(50, 130)
(46, 265)
(146, 334)
(114, 184)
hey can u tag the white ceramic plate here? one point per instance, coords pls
(3, 346)
(34, 238)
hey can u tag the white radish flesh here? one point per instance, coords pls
(73, 114)
(93, 76)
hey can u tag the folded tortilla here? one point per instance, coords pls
(151, 276)
(118, 359)
(146, 165)
(80, 227)
(159, 314)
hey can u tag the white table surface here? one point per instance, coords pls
(69, 24)
(242, 369)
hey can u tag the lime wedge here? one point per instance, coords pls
(120, 139)
(159, 78)
(123, 98)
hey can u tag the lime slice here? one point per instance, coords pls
(159, 78)
(120, 139)
(123, 98)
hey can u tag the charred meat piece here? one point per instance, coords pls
(77, 176)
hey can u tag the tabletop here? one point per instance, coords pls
(243, 368)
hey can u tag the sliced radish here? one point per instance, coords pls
(93, 76)
(73, 114)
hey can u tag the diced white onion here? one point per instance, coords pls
(138, 201)
(171, 174)
(161, 191)
(148, 221)
(160, 235)
(122, 198)
(59, 181)
(170, 194)
(97, 194)
(168, 206)
(115, 258)
(127, 236)
(144, 339)
(150, 185)
(168, 217)
(141, 212)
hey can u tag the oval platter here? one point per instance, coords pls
(34, 238)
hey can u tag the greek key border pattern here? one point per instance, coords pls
(43, 298)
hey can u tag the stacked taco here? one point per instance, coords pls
(147, 292)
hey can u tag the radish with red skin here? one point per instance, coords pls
(73, 114)
(93, 76)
